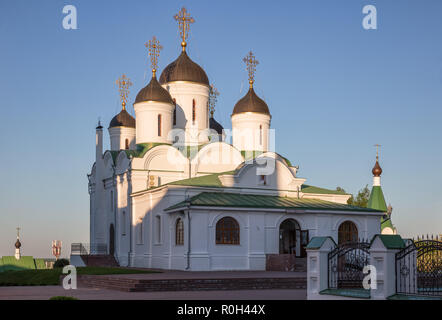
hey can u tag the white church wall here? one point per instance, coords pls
(184, 93)
(216, 157)
(118, 137)
(149, 127)
(250, 131)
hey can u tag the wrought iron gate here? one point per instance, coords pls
(419, 268)
(346, 263)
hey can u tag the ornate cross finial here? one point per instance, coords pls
(184, 20)
(18, 232)
(213, 97)
(377, 151)
(123, 84)
(154, 52)
(251, 63)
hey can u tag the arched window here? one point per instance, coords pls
(193, 110)
(179, 232)
(159, 125)
(227, 231)
(174, 112)
(127, 144)
(348, 232)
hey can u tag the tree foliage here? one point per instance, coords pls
(361, 199)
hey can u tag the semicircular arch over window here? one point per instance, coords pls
(348, 232)
(227, 231)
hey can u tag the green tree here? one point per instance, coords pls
(361, 199)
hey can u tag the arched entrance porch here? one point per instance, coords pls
(292, 240)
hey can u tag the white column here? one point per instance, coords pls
(383, 258)
(317, 266)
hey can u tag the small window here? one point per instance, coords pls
(159, 125)
(260, 135)
(227, 231)
(127, 144)
(263, 180)
(179, 232)
(193, 111)
(174, 112)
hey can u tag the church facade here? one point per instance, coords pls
(173, 192)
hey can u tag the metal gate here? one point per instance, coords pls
(419, 268)
(346, 263)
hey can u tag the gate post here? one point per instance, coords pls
(317, 266)
(383, 251)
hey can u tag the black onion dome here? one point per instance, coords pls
(154, 92)
(184, 69)
(213, 124)
(123, 119)
(17, 244)
(251, 103)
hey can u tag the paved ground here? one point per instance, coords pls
(45, 292)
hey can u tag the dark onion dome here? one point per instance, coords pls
(184, 69)
(154, 92)
(17, 244)
(123, 119)
(377, 170)
(213, 124)
(251, 103)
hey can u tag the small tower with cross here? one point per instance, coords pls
(17, 245)
(377, 199)
(189, 86)
(251, 117)
(122, 126)
(154, 107)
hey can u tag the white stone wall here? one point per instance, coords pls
(118, 137)
(184, 93)
(250, 131)
(146, 118)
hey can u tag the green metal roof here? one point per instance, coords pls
(210, 180)
(377, 200)
(391, 241)
(386, 223)
(317, 242)
(311, 189)
(221, 199)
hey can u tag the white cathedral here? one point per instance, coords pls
(172, 193)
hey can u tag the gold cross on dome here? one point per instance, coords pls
(377, 151)
(251, 63)
(213, 97)
(154, 52)
(123, 84)
(184, 21)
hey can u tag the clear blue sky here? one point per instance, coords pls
(333, 88)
